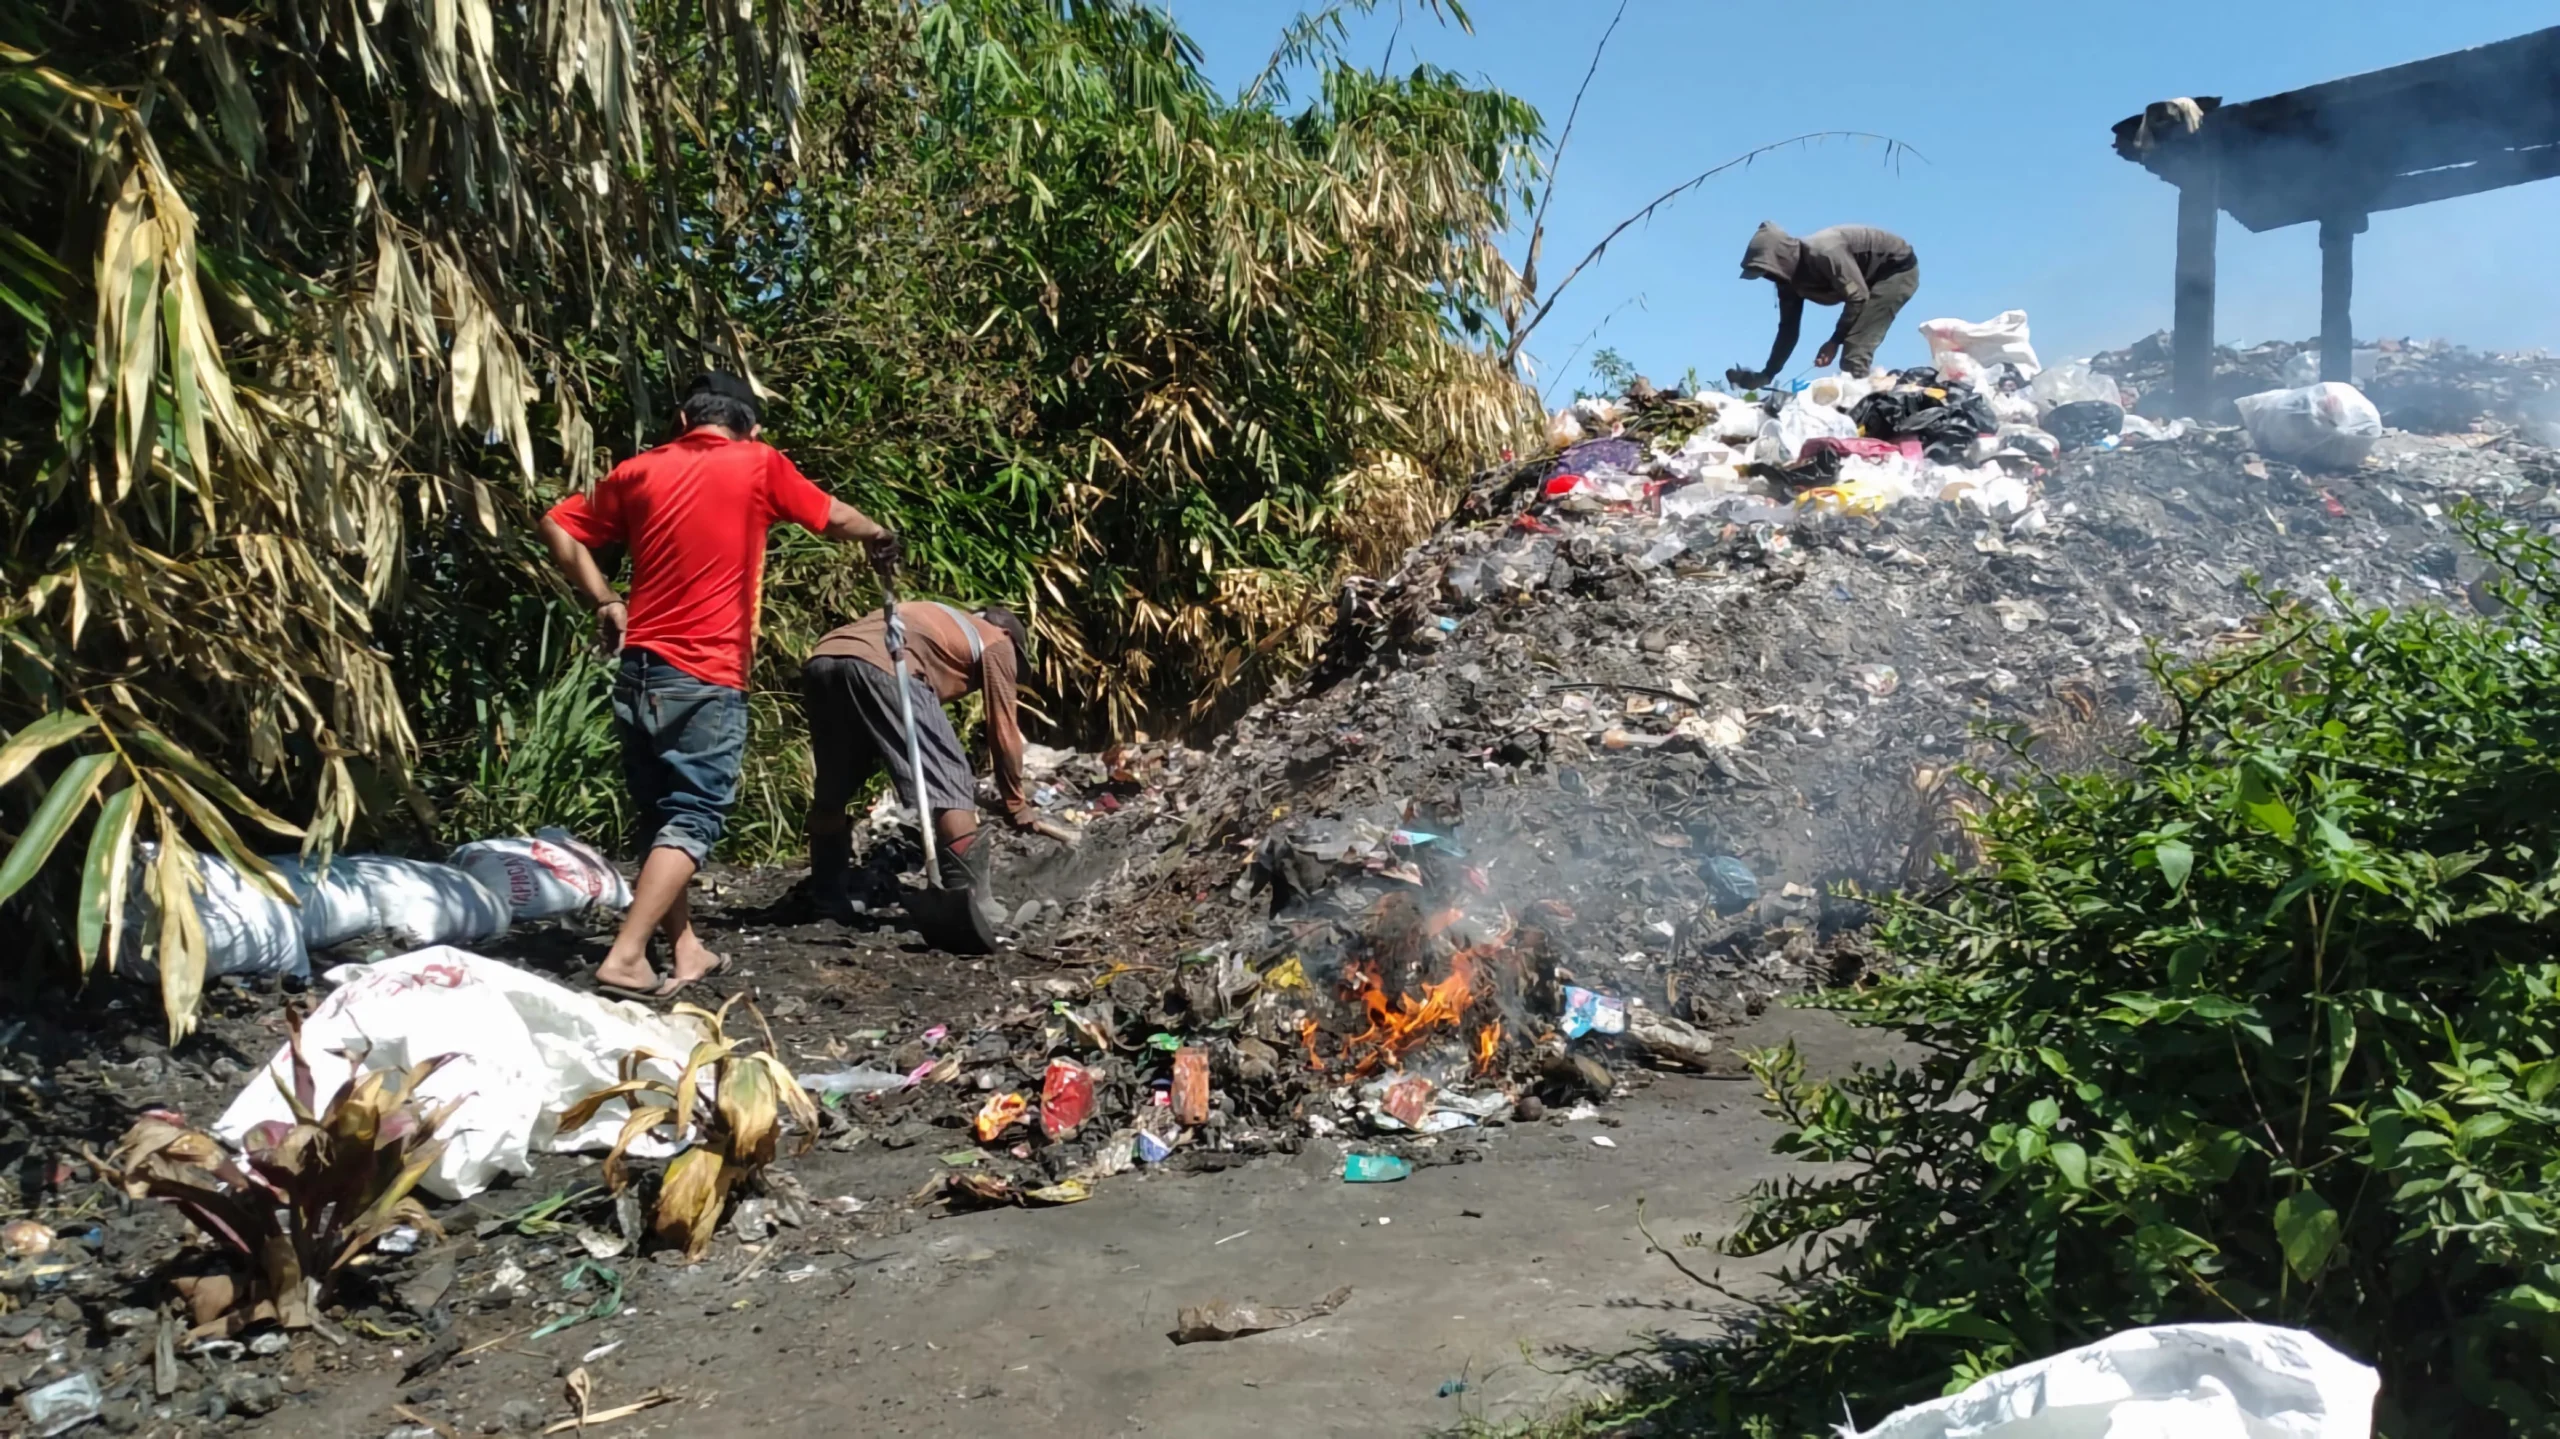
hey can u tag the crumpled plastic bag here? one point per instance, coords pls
(2071, 383)
(1968, 350)
(1784, 436)
(2174, 1381)
(525, 1049)
(2329, 426)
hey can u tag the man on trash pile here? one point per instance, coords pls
(694, 512)
(1869, 273)
(849, 689)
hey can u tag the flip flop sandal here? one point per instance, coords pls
(616, 991)
(674, 986)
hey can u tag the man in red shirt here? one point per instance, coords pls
(694, 512)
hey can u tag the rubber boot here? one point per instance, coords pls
(831, 875)
(968, 870)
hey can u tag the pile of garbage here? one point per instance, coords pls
(2425, 387)
(1612, 761)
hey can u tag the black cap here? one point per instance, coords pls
(727, 386)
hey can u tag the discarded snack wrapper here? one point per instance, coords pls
(1000, 1113)
(1374, 1168)
(1225, 1319)
(1408, 1100)
(1066, 1097)
(1153, 1148)
(1588, 1012)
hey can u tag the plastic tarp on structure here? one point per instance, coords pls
(2176, 1381)
(525, 1049)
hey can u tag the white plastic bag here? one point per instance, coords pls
(419, 904)
(2330, 426)
(2071, 382)
(246, 929)
(2177, 1381)
(1737, 420)
(2015, 408)
(1800, 422)
(546, 876)
(1965, 350)
(334, 907)
(524, 1049)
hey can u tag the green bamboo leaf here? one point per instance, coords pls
(27, 745)
(226, 841)
(102, 877)
(2307, 1226)
(2342, 1043)
(62, 804)
(181, 760)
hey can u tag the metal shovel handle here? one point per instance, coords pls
(897, 641)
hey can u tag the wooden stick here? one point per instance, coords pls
(607, 1416)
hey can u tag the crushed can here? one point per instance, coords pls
(1066, 1098)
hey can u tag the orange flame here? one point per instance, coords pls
(1488, 1039)
(1401, 1024)
(1307, 1034)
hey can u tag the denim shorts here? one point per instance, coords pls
(682, 742)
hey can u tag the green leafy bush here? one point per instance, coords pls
(2264, 1025)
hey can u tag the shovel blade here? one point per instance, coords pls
(951, 920)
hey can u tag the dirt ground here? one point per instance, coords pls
(1506, 1277)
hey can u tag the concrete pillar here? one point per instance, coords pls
(2337, 296)
(2192, 338)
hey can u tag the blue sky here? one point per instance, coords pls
(2020, 202)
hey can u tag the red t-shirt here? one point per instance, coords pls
(695, 511)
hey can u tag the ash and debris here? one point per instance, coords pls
(1625, 772)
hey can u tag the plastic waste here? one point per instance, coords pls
(2304, 369)
(2084, 424)
(1838, 391)
(1589, 1012)
(859, 1079)
(1737, 420)
(2070, 382)
(1786, 433)
(247, 930)
(62, 1406)
(1988, 488)
(1664, 550)
(1564, 430)
(2329, 426)
(1374, 1168)
(545, 876)
(1968, 350)
(1730, 883)
(1867, 487)
(524, 1049)
(1066, 1097)
(2176, 1381)
(421, 905)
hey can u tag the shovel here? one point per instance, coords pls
(949, 919)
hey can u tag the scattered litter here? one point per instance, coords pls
(1000, 1113)
(1225, 1319)
(25, 1238)
(1066, 1098)
(1589, 1012)
(1190, 1087)
(1604, 1141)
(1374, 1168)
(2330, 426)
(859, 1079)
(66, 1404)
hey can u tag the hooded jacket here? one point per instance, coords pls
(1828, 267)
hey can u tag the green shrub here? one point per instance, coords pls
(2260, 1026)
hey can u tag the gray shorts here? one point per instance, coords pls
(854, 730)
